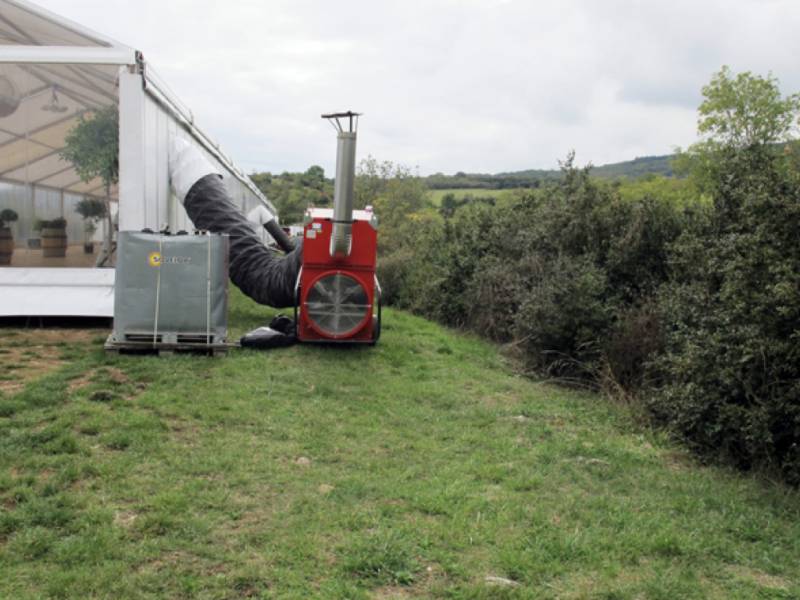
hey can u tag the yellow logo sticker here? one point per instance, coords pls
(154, 259)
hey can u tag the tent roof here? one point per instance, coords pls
(50, 92)
(22, 23)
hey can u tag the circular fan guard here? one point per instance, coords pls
(337, 305)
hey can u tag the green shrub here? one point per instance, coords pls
(731, 368)
(493, 297)
(562, 319)
(635, 339)
(392, 273)
(553, 271)
(445, 257)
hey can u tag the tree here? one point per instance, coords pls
(396, 193)
(92, 146)
(293, 193)
(746, 110)
(372, 177)
(314, 177)
(743, 117)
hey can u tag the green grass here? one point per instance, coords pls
(417, 468)
(501, 195)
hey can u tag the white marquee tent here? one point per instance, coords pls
(53, 73)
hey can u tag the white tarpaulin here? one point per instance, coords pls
(81, 292)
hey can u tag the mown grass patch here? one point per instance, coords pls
(503, 195)
(423, 467)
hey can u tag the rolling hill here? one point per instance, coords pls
(632, 169)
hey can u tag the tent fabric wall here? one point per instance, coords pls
(81, 292)
(146, 197)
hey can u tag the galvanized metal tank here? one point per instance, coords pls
(171, 289)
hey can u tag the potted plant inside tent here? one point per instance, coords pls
(92, 146)
(91, 210)
(7, 216)
(54, 238)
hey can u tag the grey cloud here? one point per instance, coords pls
(449, 85)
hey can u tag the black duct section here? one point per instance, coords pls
(279, 235)
(266, 276)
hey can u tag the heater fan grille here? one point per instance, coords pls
(337, 304)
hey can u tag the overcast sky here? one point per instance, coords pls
(449, 85)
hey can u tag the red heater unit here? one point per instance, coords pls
(337, 296)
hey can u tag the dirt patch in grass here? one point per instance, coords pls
(105, 374)
(419, 588)
(167, 560)
(678, 460)
(125, 519)
(28, 338)
(28, 354)
(390, 593)
(765, 580)
(577, 585)
(186, 433)
(80, 382)
(21, 365)
(183, 561)
(505, 400)
(114, 375)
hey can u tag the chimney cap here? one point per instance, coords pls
(333, 118)
(348, 113)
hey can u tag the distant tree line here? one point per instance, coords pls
(534, 178)
(476, 181)
(292, 193)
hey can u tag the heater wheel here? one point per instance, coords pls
(376, 319)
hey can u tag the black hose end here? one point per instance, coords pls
(279, 235)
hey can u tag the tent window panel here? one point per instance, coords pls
(46, 103)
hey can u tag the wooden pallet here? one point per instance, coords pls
(165, 349)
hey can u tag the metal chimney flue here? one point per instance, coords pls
(346, 125)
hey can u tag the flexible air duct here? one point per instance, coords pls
(262, 274)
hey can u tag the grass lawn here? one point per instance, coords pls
(500, 195)
(421, 468)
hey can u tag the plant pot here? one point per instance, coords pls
(34, 243)
(54, 242)
(6, 245)
(88, 247)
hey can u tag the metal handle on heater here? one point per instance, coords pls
(376, 333)
(297, 299)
